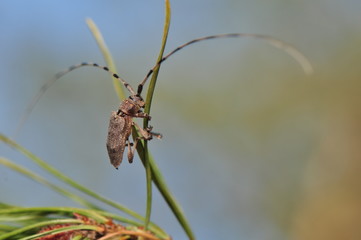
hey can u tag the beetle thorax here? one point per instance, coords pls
(132, 105)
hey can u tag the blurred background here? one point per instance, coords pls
(252, 149)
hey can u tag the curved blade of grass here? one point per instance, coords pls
(6, 228)
(18, 231)
(45, 182)
(160, 182)
(68, 180)
(21, 218)
(142, 148)
(54, 210)
(107, 56)
(63, 229)
(153, 80)
(148, 177)
(78, 238)
(74, 184)
(148, 104)
(93, 214)
(16, 216)
(5, 205)
(126, 234)
(153, 228)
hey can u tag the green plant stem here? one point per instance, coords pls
(157, 177)
(153, 80)
(149, 98)
(68, 180)
(63, 229)
(153, 228)
(160, 183)
(54, 210)
(45, 182)
(148, 174)
(18, 231)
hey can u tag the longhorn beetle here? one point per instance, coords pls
(121, 121)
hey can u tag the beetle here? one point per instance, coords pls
(120, 128)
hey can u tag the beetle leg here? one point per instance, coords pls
(130, 152)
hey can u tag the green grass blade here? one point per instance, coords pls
(149, 98)
(160, 182)
(5, 205)
(45, 182)
(99, 216)
(18, 231)
(36, 215)
(79, 238)
(72, 183)
(6, 228)
(54, 210)
(68, 180)
(153, 80)
(170, 199)
(21, 219)
(142, 149)
(63, 229)
(148, 176)
(152, 227)
(107, 56)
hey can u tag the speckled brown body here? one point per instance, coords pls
(119, 130)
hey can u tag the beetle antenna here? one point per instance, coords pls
(50, 82)
(288, 48)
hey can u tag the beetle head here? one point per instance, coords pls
(138, 100)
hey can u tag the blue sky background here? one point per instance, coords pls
(242, 124)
